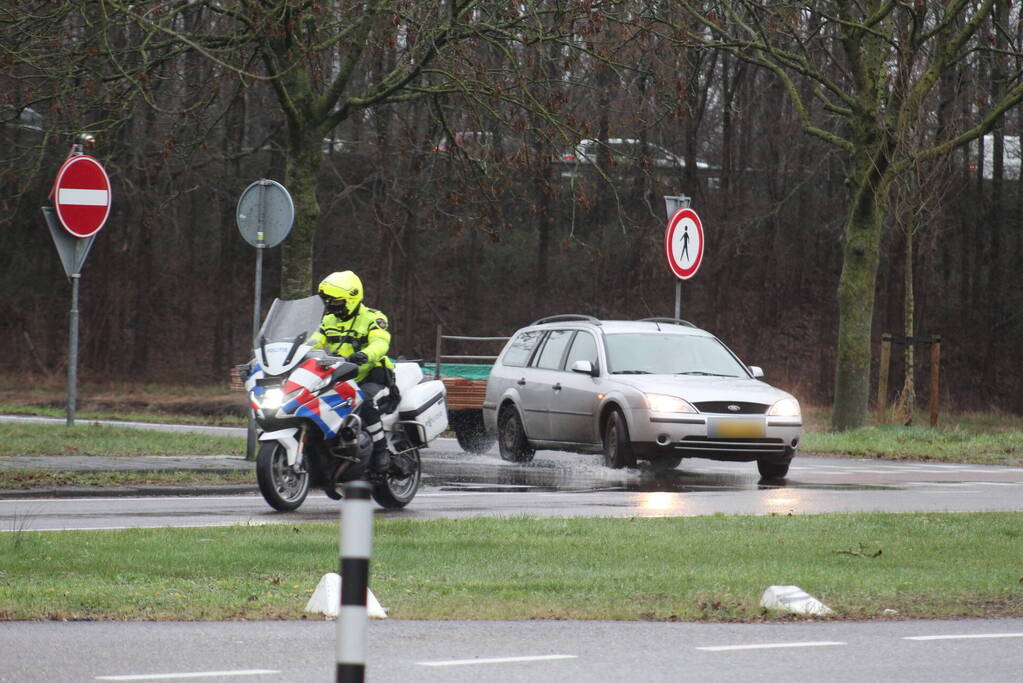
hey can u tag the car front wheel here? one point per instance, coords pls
(511, 441)
(618, 451)
(665, 463)
(775, 469)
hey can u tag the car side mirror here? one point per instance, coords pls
(757, 371)
(585, 367)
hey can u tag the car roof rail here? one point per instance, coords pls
(566, 316)
(672, 321)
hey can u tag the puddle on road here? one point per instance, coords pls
(570, 472)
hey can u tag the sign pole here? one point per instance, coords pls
(260, 245)
(72, 361)
(250, 437)
(678, 299)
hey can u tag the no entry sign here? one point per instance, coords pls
(683, 243)
(82, 196)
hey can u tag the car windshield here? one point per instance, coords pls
(670, 354)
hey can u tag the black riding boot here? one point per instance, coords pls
(381, 459)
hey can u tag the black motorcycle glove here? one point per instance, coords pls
(359, 358)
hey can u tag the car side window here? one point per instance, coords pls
(521, 348)
(553, 349)
(584, 347)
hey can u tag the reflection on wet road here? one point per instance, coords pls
(571, 484)
(557, 471)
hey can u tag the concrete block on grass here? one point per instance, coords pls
(326, 599)
(795, 600)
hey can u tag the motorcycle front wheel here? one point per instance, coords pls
(283, 487)
(396, 492)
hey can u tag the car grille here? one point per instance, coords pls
(703, 443)
(722, 407)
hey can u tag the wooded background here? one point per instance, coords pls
(484, 239)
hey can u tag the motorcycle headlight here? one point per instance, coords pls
(271, 399)
(663, 403)
(787, 407)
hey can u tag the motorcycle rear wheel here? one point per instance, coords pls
(397, 492)
(282, 486)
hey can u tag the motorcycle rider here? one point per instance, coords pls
(350, 328)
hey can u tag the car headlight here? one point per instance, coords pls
(271, 399)
(787, 407)
(663, 403)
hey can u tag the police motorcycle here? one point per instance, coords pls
(305, 404)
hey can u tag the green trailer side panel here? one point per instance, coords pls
(464, 370)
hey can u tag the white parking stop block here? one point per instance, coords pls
(326, 599)
(793, 599)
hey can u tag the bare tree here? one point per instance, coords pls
(313, 55)
(871, 69)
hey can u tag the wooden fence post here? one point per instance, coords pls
(882, 379)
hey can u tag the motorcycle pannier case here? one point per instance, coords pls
(423, 411)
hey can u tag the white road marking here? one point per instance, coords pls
(197, 674)
(769, 646)
(497, 660)
(966, 636)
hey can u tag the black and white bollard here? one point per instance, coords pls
(352, 618)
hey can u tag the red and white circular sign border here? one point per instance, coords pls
(57, 187)
(669, 234)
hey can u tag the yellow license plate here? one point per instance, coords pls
(737, 428)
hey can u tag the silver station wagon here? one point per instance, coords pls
(658, 389)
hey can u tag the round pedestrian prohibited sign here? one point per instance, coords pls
(683, 243)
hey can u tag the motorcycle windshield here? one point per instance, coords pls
(289, 318)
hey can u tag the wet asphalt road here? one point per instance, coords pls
(555, 484)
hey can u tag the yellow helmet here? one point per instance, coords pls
(341, 293)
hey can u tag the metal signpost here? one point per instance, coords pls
(683, 243)
(81, 197)
(265, 214)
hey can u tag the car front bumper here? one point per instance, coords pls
(715, 436)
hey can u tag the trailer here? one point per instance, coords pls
(466, 383)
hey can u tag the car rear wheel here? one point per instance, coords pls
(470, 432)
(512, 442)
(618, 451)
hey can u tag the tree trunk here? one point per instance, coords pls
(856, 285)
(300, 179)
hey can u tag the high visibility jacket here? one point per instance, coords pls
(366, 331)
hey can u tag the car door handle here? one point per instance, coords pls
(521, 382)
(557, 387)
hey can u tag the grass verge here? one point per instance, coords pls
(896, 442)
(28, 479)
(96, 439)
(706, 568)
